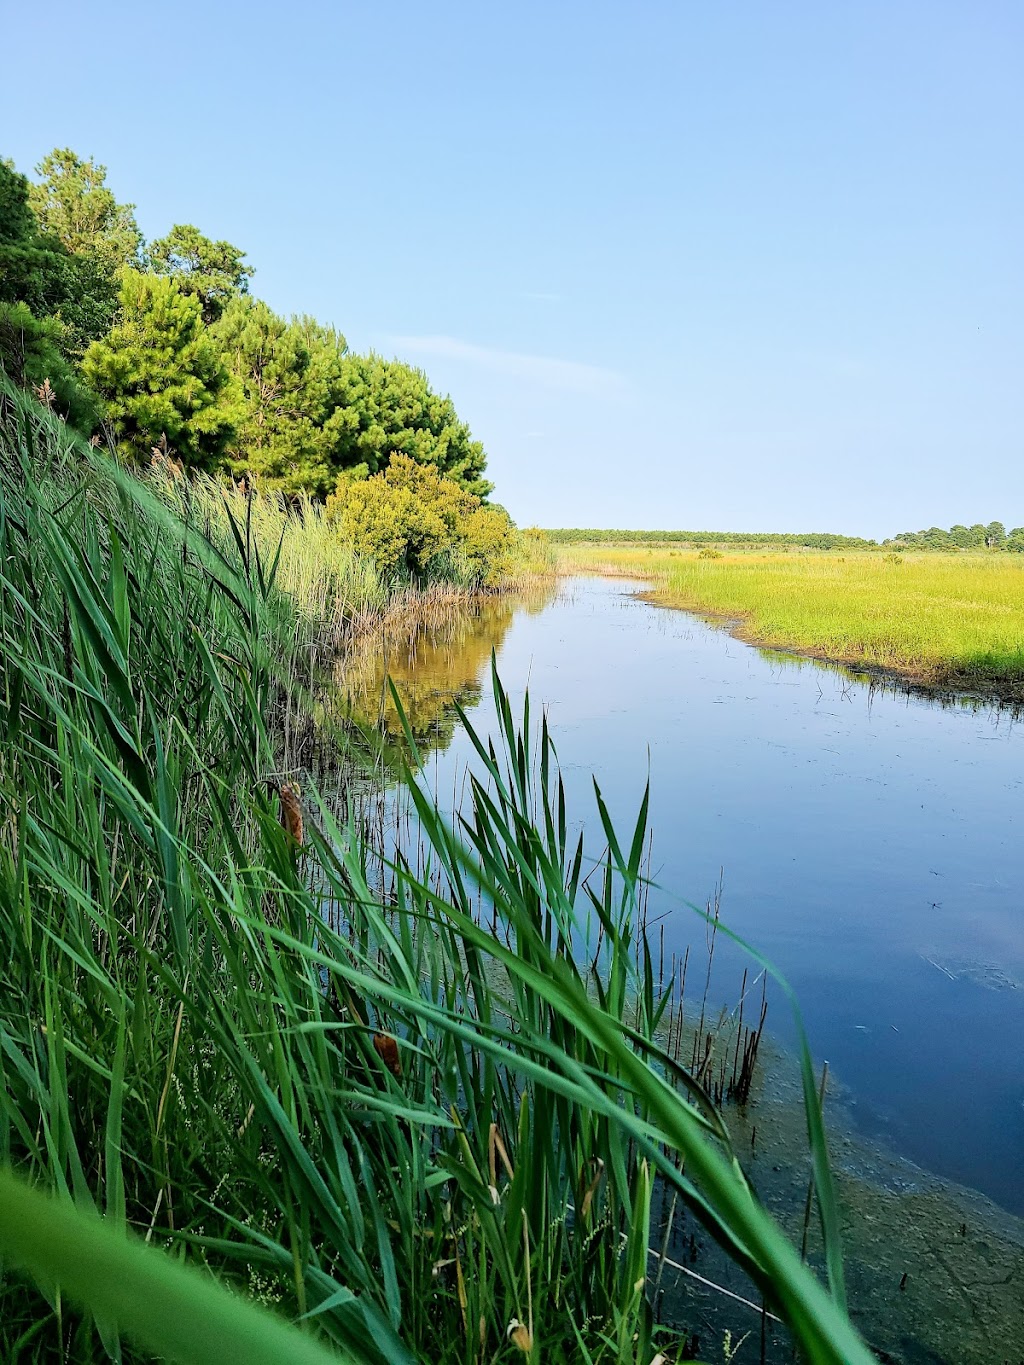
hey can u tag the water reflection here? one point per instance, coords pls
(883, 684)
(435, 666)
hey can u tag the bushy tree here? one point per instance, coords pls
(415, 522)
(30, 267)
(977, 537)
(160, 375)
(300, 410)
(73, 204)
(291, 426)
(310, 411)
(395, 409)
(213, 271)
(17, 221)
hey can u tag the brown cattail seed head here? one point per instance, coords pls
(289, 794)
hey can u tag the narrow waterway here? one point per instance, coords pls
(867, 841)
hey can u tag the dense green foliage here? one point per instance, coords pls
(31, 353)
(73, 203)
(52, 303)
(212, 271)
(291, 423)
(160, 376)
(164, 346)
(327, 1078)
(814, 540)
(412, 520)
(396, 410)
(89, 238)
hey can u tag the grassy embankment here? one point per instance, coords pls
(372, 1116)
(945, 621)
(335, 593)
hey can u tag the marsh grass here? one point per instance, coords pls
(938, 620)
(335, 594)
(417, 1131)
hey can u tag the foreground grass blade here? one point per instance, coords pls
(163, 1306)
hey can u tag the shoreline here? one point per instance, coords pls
(948, 687)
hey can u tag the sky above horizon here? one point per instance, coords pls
(734, 266)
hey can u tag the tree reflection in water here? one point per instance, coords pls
(436, 664)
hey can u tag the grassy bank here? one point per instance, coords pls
(370, 1114)
(335, 591)
(935, 620)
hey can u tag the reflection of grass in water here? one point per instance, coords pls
(435, 660)
(937, 619)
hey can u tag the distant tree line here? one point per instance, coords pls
(161, 345)
(994, 536)
(813, 540)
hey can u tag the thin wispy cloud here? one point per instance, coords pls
(569, 376)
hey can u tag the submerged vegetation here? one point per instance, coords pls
(422, 1120)
(935, 620)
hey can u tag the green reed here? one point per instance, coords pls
(425, 1126)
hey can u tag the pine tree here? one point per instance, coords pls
(160, 375)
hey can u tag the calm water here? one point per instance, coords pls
(870, 844)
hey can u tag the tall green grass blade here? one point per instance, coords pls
(167, 1308)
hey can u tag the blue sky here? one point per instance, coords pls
(733, 265)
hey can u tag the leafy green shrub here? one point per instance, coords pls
(414, 522)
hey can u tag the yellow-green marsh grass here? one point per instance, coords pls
(936, 620)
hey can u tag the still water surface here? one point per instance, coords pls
(868, 842)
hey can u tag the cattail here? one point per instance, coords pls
(387, 1050)
(290, 794)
